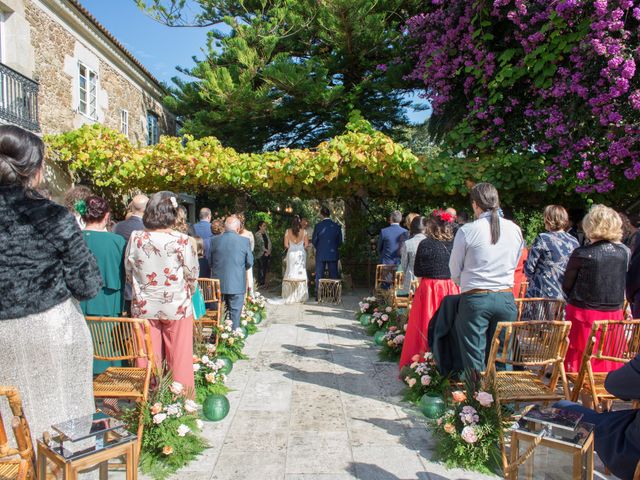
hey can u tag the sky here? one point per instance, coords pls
(158, 47)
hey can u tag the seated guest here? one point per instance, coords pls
(108, 248)
(409, 248)
(45, 268)
(162, 267)
(549, 255)
(594, 283)
(483, 261)
(617, 434)
(432, 267)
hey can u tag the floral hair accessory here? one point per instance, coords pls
(80, 206)
(444, 216)
(174, 202)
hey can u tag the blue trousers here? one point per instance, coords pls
(320, 267)
(233, 304)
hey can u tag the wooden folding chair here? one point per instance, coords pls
(20, 462)
(540, 309)
(522, 291)
(204, 326)
(531, 346)
(385, 275)
(400, 296)
(116, 338)
(613, 340)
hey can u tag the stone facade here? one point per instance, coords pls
(48, 41)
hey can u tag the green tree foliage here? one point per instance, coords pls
(287, 73)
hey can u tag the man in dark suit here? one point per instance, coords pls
(125, 228)
(229, 257)
(327, 238)
(202, 229)
(137, 207)
(391, 239)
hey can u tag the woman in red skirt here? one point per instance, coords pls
(431, 265)
(594, 283)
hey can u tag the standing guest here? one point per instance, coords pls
(575, 219)
(409, 248)
(629, 232)
(217, 228)
(262, 252)
(246, 233)
(519, 276)
(327, 238)
(311, 251)
(202, 228)
(75, 199)
(462, 218)
(203, 263)
(45, 268)
(549, 255)
(230, 257)
(126, 227)
(484, 258)
(108, 248)
(390, 240)
(162, 266)
(594, 283)
(617, 434)
(432, 267)
(409, 219)
(452, 211)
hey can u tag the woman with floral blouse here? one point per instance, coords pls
(162, 267)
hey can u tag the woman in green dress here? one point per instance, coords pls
(108, 248)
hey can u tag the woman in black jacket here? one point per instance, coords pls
(45, 268)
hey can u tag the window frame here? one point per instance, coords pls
(124, 121)
(153, 128)
(87, 93)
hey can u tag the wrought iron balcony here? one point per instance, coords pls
(18, 99)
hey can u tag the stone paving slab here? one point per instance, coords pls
(313, 402)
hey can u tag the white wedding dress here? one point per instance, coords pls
(294, 286)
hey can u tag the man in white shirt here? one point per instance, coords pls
(483, 260)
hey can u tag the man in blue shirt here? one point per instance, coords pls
(202, 229)
(391, 239)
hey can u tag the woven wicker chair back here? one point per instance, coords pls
(210, 288)
(117, 338)
(523, 289)
(540, 309)
(615, 340)
(530, 343)
(399, 280)
(22, 435)
(385, 274)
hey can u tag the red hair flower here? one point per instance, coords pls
(444, 216)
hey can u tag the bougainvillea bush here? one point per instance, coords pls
(551, 80)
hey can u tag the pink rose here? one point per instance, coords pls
(425, 380)
(484, 398)
(469, 435)
(449, 428)
(415, 358)
(411, 382)
(458, 396)
(157, 408)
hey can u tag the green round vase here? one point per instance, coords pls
(244, 331)
(257, 318)
(379, 337)
(432, 405)
(228, 365)
(215, 407)
(365, 319)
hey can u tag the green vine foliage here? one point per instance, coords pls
(361, 162)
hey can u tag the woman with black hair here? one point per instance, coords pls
(45, 268)
(483, 260)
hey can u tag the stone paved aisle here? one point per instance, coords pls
(314, 402)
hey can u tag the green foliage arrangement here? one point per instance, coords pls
(422, 376)
(468, 435)
(385, 318)
(230, 341)
(171, 427)
(392, 346)
(209, 380)
(369, 306)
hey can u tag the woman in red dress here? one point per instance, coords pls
(594, 283)
(431, 265)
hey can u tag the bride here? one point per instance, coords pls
(294, 286)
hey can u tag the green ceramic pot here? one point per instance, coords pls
(215, 407)
(245, 333)
(257, 318)
(432, 405)
(228, 365)
(379, 337)
(365, 319)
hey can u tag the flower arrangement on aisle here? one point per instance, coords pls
(209, 376)
(257, 304)
(392, 344)
(171, 425)
(248, 321)
(468, 434)
(383, 319)
(368, 306)
(230, 341)
(422, 376)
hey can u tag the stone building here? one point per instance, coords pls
(60, 69)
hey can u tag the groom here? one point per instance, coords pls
(327, 238)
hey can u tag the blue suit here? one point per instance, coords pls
(327, 238)
(229, 258)
(202, 229)
(389, 243)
